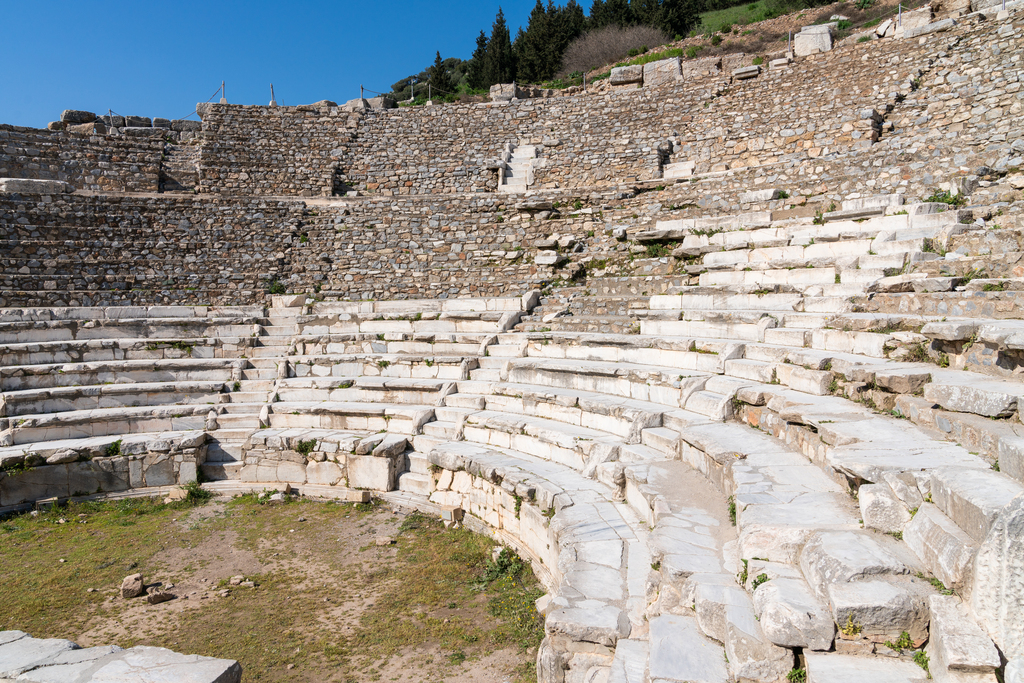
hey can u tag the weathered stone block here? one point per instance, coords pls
(662, 73)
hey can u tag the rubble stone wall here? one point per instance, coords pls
(273, 151)
(176, 248)
(88, 162)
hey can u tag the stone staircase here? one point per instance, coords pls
(517, 176)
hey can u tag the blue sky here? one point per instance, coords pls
(160, 58)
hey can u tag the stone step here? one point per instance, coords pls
(410, 482)
(485, 375)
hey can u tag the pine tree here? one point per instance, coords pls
(647, 12)
(618, 12)
(475, 72)
(533, 47)
(499, 62)
(597, 16)
(678, 17)
(440, 81)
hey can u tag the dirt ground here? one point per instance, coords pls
(338, 593)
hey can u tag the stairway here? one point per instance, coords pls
(179, 171)
(518, 175)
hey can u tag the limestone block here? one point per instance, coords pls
(324, 473)
(973, 498)
(682, 169)
(368, 472)
(679, 652)
(936, 27)
(955, 642)
(24, 654)
(964, 398)
(881, 609)
(77, 116)
(832, 557)
(623, 75)
(391, 446)
(840, 668)
(998, 586)
(757, 196)
(26, 186)
(811, 42)
(1014, 672)
(792, 616)
(881, 509)
(746, 72)
(663, 72)
(591, 622)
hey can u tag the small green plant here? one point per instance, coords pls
(382, 364)
(784, 195)
(236, 386)
(691, 52)
(797, 676)
(946, 197)
(843, 25)
(195, 494)
(743, 574)
(305, 447)
(716, 40)
(758, 580)
(850, 628)
(732, 510)
(275, 286)
(902, 643)
(921, 659)
(113, 450)
(757, 61)
(864, 39)
(864, 4)
(819, 218)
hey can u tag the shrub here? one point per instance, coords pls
(692, 51)
(946, 197)
(716, 40)
(607, 45)
(864, 4)
(758, 61)
(864, 39)
(843, 25)
(305, 447)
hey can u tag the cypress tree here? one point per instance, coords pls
(647, 12)
(598, 16)
(678, 17)
(533, 47)
(440, 81)
(475, 72)
(499, 63)
(618, 12)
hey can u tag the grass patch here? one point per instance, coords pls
(434, 597)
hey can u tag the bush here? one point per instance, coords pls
(692, 51)
(864, 39)
(864, 4)
(607, 45)
(843, 25)
(716, 40)
(758, 61)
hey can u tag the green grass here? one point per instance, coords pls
(740, 15)
(434, 598)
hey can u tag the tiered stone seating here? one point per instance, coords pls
(782, 446)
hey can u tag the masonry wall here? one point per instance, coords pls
(394, 248)
(98, 163)
(105, 250)
(274, 151)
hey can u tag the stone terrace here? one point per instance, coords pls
(727, 372)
